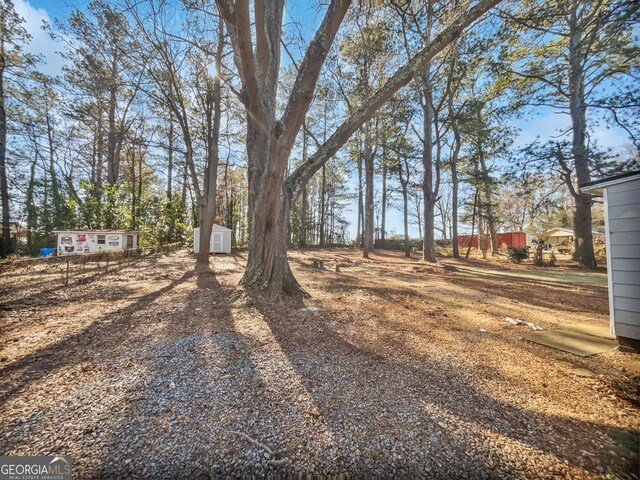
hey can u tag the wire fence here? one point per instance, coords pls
(78, 269)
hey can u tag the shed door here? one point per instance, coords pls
(217, 241)
(129, 242)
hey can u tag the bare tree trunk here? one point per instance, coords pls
(132, 172)
(454, 181)
(208, 204)
(428, 241)
(429, 198)
(303, 217)
(56, 196)
(383, 221)
(404, 182)
(32, 210)
(100, 151)
(487, 201)
(333, 213)
(269, 144)
(32, 214)
(473, 223)
(183, 193)
(4, 186)
(368, 196)
(138, 204)
(112, 173)
(170, 139)
(405, 211)
(323, 186)
(583, 245)
(483, 244)
(359, 235)
(305, 200)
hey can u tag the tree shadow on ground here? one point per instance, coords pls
(309, 381)
(131, 395)
(567, 296)
(427, 397)
(536, 293)
(110, 333)
(162, 395)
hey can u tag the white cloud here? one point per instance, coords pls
(41, 43)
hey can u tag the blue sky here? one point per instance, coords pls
(308, 15)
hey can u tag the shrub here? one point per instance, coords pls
(443, 243)
(517, 254)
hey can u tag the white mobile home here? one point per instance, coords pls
(557, 235)
(562, 238)
(220, 240)
(80, 242)
(622, 236)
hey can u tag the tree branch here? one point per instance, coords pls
(402, 77)
(236, 16)
(309, 70)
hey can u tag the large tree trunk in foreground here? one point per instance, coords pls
(269, 144)
(583, 245)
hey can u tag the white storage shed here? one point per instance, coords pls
(622, 236)
(220, 240)
(80, 242)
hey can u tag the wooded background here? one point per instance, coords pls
(165, 111)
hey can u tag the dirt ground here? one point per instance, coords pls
(156, 372)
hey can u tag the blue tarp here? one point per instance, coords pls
(45, 252)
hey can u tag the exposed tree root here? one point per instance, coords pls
(258, 289)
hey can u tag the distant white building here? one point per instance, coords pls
(556, 236)
(80, 242)
(220, 240)
(622, 236)
(564, 236)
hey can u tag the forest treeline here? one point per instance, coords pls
(171, 114)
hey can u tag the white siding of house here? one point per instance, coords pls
(623, 251)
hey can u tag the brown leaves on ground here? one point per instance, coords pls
(154, 370)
